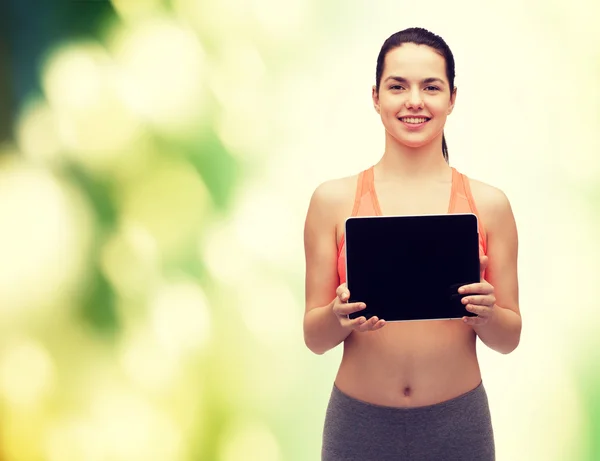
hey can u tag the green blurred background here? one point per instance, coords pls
(156, 162)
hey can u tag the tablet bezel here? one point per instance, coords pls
(444, 215)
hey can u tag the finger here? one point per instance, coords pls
(482, 300)
(379, 325)
(473, 321)
(366, 325)
(342, 292)
(369, 324)
(481, 311)
(483, 263)
(355, 323)
(476, 288)
(349, 308)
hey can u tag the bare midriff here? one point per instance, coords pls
(410, 364)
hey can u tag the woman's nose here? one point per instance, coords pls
(414, 100)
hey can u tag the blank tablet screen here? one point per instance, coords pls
(410, 267)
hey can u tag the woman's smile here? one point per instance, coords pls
(414, 123)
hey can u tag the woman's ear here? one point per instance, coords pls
(375, 96)
(452, 101)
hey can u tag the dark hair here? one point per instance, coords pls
(418, 36)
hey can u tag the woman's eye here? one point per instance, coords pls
(432, 88)
(395, 87)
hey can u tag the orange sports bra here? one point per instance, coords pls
(367, 204)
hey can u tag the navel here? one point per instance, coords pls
(407, 391)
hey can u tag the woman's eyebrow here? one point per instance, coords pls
(424, 81)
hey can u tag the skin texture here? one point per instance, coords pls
(413, 363)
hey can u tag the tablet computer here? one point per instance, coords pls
(408, 268)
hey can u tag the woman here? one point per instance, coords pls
(413, 390)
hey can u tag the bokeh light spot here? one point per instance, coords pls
(74, 440)
(181, 317)
(134, 430)
(73, 76)
(265, 226)
(280, 19)
(26, 373)
(161, 74)
(93, 122)
(44, 236)
(130, 260)
(221, 251)
(239, 67)
(276, 319)
(249, 441)
(147, 363)
(170, 201)
(37, 133)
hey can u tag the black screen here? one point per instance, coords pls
(410, 267)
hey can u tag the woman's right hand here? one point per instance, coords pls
(341, 308)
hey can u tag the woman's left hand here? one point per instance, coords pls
(480, 299)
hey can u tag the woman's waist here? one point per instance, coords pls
(406, 372)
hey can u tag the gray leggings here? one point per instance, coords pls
(459, 429)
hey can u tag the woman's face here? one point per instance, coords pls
(414, 96)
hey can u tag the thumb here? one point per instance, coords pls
(483, 263)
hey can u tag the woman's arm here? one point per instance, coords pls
(322, 329)
(503, 330)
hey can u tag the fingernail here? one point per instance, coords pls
(465, 301)
(461, 290)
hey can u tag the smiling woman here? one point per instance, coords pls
(410, 390)
(437, 89)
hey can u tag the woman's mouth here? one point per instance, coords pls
(414, 122)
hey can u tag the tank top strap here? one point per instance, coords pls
(454, 190)
(364, 186)
(463, 202)
(467, 191)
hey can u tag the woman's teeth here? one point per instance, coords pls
(413, 120)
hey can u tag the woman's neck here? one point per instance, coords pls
(402, 162)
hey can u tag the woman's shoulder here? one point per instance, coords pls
(331, 202)
(335, 192)
(492, 203)
(487, 194)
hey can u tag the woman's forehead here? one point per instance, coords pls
(415, 61)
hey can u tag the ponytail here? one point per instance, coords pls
(444, 148)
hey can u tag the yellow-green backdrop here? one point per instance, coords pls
(152, 200)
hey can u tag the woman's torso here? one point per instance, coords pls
(409, 363)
